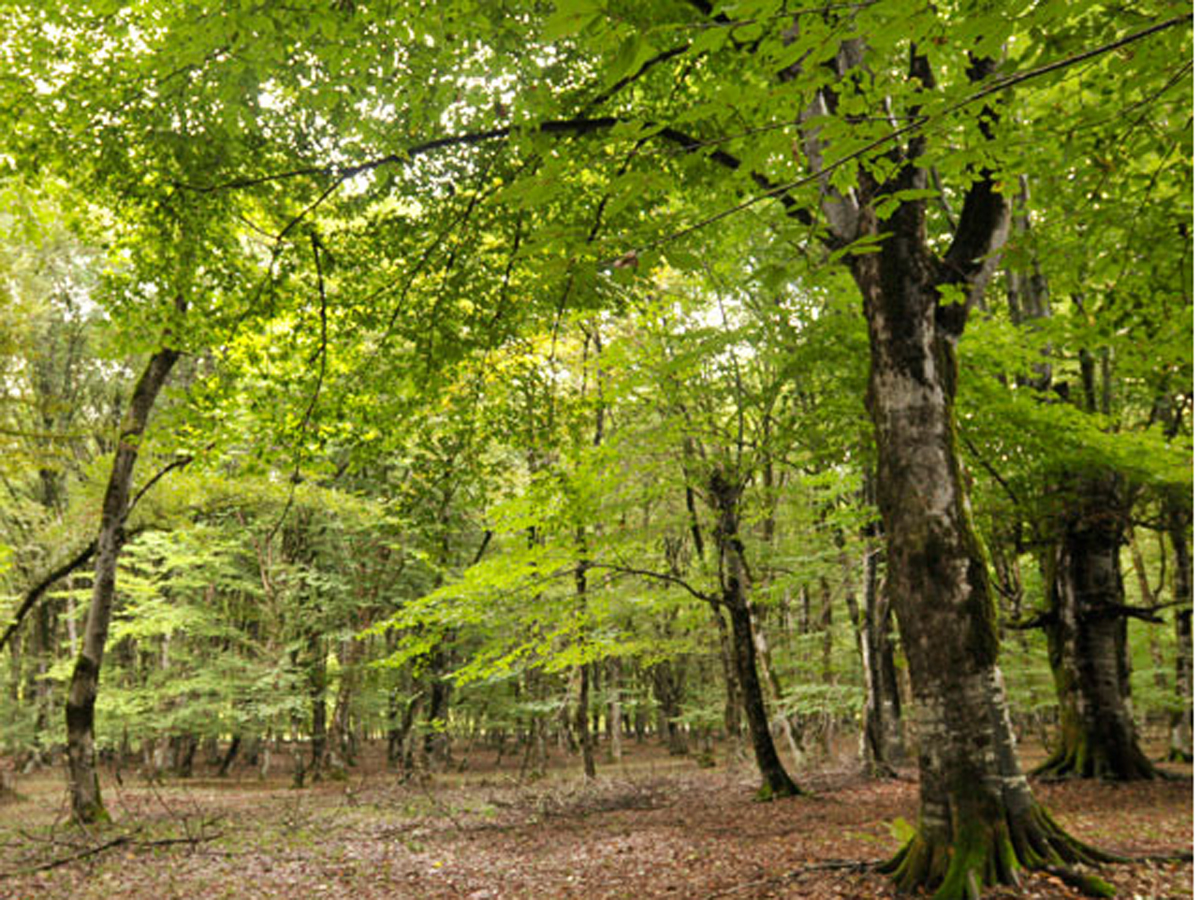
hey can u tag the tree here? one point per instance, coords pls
(1074, 361)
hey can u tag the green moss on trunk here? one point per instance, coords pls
(987, 852)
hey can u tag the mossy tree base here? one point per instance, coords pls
(91, 814)
(778, 791)
(982, 855)
(1082, 760)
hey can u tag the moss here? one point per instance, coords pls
(986, 853)
(769, 792)
(969, 858)
(984, 628)
(93, 813)
(1089, 885)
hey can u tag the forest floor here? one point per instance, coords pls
(653, 827)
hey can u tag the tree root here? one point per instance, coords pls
(1080, 761)
(984, 854)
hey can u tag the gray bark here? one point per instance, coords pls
(83, 778)
(1087, 638)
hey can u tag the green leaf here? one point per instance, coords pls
(569, 18)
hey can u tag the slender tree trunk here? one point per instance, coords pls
(436, 745)
(400, 738)
(183, 754)
(533, 761)
(586, 743)
(1178, 525)
(231, 753)
(317, 683)
(583, 672)
(733, 700)
(784, 725)
(613, 685)
(83, 779)
(726, 496)
(43, 688)
(881, 742)
(1087, 640)
(343, 744)
(668, 680)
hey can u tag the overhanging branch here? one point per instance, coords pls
(35, 593)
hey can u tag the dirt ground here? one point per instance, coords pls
(653, 827)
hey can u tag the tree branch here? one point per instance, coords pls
(958, 259)
(649, 573)
(35, 593)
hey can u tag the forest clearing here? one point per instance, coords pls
(755, 436)
(655, 826)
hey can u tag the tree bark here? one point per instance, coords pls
(1086, 632)
(343, 749)
(231, 753)
(436, 744)
(784, 724)
(979, 822)
(613, 723)
(586, 742)
(725, 494)
(82, 777)
(317, 682)
(1178, 524)
(881, 742)
(667, 681)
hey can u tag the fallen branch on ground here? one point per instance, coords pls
(123, 840)
(76, 857)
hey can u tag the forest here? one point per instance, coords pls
(596, 448)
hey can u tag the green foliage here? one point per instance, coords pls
(471, 320)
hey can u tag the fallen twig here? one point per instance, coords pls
(62, 861)
(120, 841)
(167, 842)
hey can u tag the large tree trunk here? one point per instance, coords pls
(726, 496)
(1087, 639)
(83, 779)
(979, 822)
